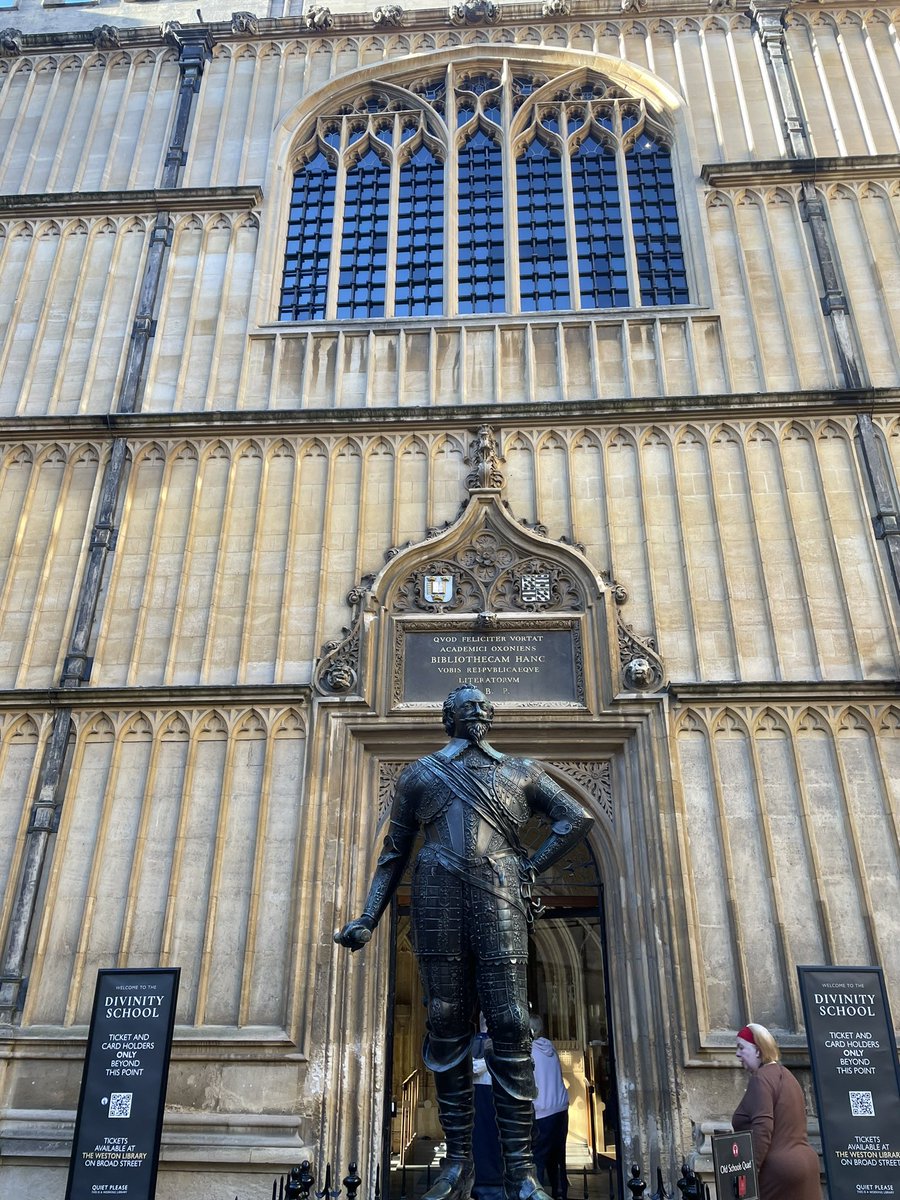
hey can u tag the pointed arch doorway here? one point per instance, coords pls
(567, 987)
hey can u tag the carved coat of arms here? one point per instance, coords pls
(438, 589)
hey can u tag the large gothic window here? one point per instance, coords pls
(483, 192)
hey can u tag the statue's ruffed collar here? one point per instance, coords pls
(456, 746)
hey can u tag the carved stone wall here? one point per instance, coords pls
(207, 797)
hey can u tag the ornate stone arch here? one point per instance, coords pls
(502, 572)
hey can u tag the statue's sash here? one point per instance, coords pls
(461, 782)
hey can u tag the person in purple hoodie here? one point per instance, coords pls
(551, 1114)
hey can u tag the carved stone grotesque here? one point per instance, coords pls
(339, 677)
(244, 22)
(639, 674)
(388, 15)
(471, 905)
(556, 8)
(10, 41)
(106, 37)
(473, 12)
(318, 17)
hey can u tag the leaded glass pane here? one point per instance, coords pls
(654, 218)
(481, 258)
(420, 236)
(362, 278)
(543, 255)
(310, 227)
(599, 234)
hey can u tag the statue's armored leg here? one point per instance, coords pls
(502, 989)
(448, 1052)
(513, 1075)
(456, 1108)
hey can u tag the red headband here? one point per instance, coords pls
(747, 1035)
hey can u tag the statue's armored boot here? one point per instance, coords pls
(456, 1109)
(514, 1092)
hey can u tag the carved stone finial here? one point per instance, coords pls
(106, 37)
(388, 15)
(485, 460)
(10, 41)
(318, 17)
(244, 22)
(556, 8)
(473, 12)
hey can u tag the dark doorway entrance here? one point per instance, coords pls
(567, 987)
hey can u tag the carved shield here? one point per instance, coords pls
(438, 589)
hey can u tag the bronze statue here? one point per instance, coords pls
(471, 896)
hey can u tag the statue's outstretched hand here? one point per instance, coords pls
(355, 934)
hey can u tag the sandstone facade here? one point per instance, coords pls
(190, 489)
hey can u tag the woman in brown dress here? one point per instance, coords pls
(774, 1110)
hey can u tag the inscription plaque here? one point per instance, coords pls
(522, 666)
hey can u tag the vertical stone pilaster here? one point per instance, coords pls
(834, 302)
(768, 23)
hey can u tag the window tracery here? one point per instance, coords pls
(491, 191)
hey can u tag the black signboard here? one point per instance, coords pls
(734, 1166)
(522, 665)
(857, 1078)
(123, 1088)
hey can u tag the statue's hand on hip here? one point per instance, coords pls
(355, 933)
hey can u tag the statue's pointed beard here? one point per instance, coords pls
(476, 731)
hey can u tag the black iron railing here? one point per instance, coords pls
(601, 1184)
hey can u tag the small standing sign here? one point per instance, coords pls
(734, 1166)
(857, 1078)
(115, 1152)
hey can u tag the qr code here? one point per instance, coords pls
(120, 1104)
(861, 1104)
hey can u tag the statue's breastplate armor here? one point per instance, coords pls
(452, 822)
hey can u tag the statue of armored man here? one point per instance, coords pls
(471, 895)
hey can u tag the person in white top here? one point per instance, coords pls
(551, 1114)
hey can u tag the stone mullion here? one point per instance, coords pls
(143, 833)
(50, 105)
(147, 119)
(245, 1011)
(48, 302)
(219, 847)
(807, 821)
(390, 283)
(770, 841)
(108, 802)
(118, 126)
(854, 845)
(769, 27)
(194, 48)
(29, 261)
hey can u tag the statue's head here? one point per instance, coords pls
(468, 713)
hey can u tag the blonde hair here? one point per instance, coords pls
(765, 1043)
